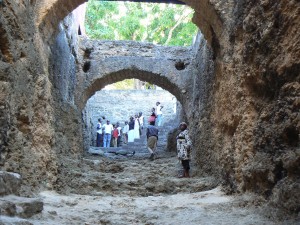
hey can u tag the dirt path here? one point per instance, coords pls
(134, 191)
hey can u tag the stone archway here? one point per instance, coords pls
(106, 62)
(100, 83)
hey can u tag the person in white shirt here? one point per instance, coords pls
(119, 134)
(108, 128)
(158, 113)
(141, 120)
(125, 132)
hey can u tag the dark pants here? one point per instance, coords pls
(99, 140)
(119, 141)
(185, 164)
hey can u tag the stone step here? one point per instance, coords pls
(11, 205)
(10, 183)
(138, 151)
(7, 220)
(139, 146)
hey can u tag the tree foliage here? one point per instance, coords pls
(164, 24)
(127, 84)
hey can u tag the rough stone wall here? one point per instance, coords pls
(248, 130)
(26, 101)
(34, 112)
(197, 105)
(62, 69)
(253, 124)
(119, 105)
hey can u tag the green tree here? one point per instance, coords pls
(164, 24)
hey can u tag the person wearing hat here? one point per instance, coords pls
(184, 146)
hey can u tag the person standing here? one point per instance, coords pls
(152, 117)
(136, 127)
(99, 133)
(125, 132)
(119, 134)
(108, 128)
(131, 130)
(115, 135)
(141, 120)
(152, 137)
(159, 113)
(184, 146)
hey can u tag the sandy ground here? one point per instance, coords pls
(208, 207)
(134, 190)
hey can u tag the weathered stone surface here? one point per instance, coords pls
(10, 183)
(241, 94)
(105, 62)
(5, 220)
(7, 208)
(23, 207)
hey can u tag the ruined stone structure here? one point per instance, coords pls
(239, 87)
(168, 67)
(119, 105)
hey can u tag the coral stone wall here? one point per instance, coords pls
(37, 117)
(26, 101)
(243, 99)
(251, 131)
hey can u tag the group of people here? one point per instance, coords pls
(105, 133)
(111, 134)
(133, 129)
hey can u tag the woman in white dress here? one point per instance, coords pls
(136, 127)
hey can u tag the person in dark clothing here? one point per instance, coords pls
(131, 130)
(99, 139)
(152, 117)
(152, 137)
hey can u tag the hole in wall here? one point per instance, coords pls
(86, 66)
(87, 52)
(291, 136)
(180, 65)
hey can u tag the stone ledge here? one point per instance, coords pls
(23, 207)
(10, 183)
(6, 220)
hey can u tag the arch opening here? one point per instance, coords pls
(118, 106)
(131, 71)
(146, 21)
(157, 79)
